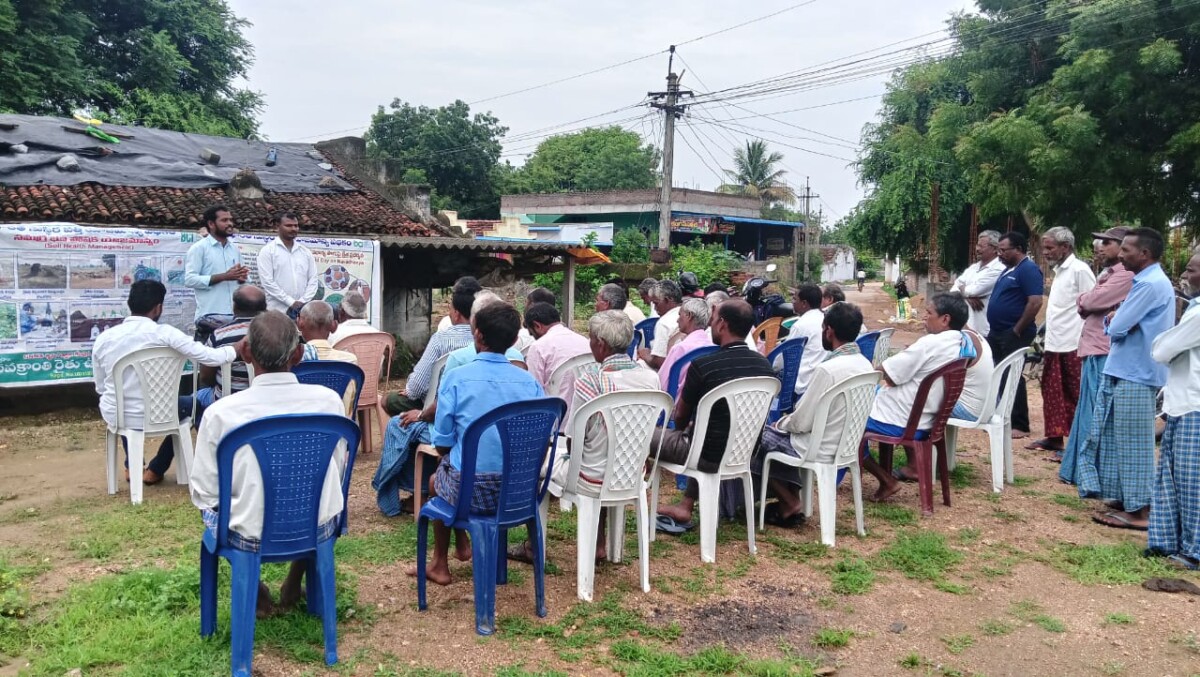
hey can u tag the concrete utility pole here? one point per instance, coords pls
(807, 230)
(668, 103)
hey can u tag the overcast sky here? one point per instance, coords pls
(325, 67)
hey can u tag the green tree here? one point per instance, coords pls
(756, 175)
(630, 245)
(167, 63)
(457, 151)
(608, 158)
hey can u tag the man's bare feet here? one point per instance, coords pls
(462, 549)
(884, 492)
(439, 574)
(289, 596)
(265, 608)
(677, 512)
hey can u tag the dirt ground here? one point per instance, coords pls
(990, 613)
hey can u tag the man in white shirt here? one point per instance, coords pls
(976, 282)
(1061, 367)
(273, 347)
(352, 318)
(810, 325)
(614, 297)
(286, 269)
(666, 298)
(141, 330)
(1175, 505)
(841, 323)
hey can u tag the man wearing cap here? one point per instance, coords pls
(1112, 286)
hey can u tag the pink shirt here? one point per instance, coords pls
(1111, 289)
(694, 340)
(555, 347)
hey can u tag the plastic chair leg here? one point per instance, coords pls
(418, 473)
(112, 461)
(616, 532)
(539, 567)
(856, 478)
(827, 496)
(762, 493)
(951, 447)
(588, 520)
(748, 494)
(995, 433)
(326, 583)
(381, 420)
(183, 454)
(643, 526)
(209, 563)
(1008, 451)
(422, 546)
(943, 470)
(924, 463)
(501, 556)
(710, 493)
(313, 600)
(543, 513)
(653, 506)
(885, 456)
(244, 600)
(809, 475)
(484, 545)
(137, 460)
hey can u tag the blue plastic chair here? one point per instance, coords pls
(644, 331)
(673, 376)
(293, 453)
(333, 374)
(792, 351)
(866, 344)
(526, 430)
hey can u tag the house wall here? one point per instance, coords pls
(841, 268)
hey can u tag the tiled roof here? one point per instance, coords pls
(353, 212)
(481, 226)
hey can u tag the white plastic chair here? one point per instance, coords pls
(995, 419)
(226, 382)
(883, 346)
(856, 395)
(629, 417)
(559, 376)
(436, 379)
(749, 401)
(158, 371)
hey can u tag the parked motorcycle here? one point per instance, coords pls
(765, 305)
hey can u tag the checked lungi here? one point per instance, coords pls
(1175, 510)
(1089, 383)
(1117, 462)
(1060, 391)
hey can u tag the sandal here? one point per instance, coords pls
(773, 518)
(1183, 562)
(668, 525)
(1117, 521)
(1043, 444)
(899, 475)
(519, 553)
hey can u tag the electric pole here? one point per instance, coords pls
(807, 230)
(668, 103)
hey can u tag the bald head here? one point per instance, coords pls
(273, 343)
(248, 301)
(316, 321)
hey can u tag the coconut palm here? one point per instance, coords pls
(757, 176)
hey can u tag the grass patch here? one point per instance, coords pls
(520, 671)
(795, 551)
(378, 547)
(911, 662)
(586, 627)
(14, 607)
(920, 555)
(1069, 501)
(967, 535)
(953, 588)
(1189, 642)
(1031, 612)
(1022, 481)
(635, 658)
(962, 476)
(1007, 516)
(1106, 564)
(832, 638)
(995, 627)
(133, 533)
(1049, 623)
(957, 644)
(1118, 619)
(852, 576)
(1112, 668)
(896, 515)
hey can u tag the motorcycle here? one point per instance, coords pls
(765, 306)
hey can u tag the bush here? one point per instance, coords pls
(588, 280)
(630, 246)
(711, 263)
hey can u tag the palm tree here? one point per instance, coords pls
(756, 175)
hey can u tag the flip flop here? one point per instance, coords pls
(668, 525)
(1042, 444)
(1117, 521)
(773, 518)
(1184, 562)
(518, 553)
(896, 473)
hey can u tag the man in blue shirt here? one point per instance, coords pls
(1116, 464)
(1012, 312)
(214, 265)
(464, 395)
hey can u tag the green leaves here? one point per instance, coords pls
(608, 158)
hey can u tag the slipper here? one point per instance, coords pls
(1019, 434)
(1117, 521)
(1042, 444)
(773, 518)
(896, 472)
(668, 525)
(518, 553)
(1183, 562)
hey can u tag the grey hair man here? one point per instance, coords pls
(316, 324)
(666, 297)
(273, 347)
(976, 282)
(1061, 366)
(694, 316)
(352, 318)
(614, 297)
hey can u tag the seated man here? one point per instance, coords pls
(352, 318)
(979, 373)
(248, 302)
(734, 360)
(464, 285)
(464, 395)
(667, 298)
(141, 330)
(441, 343)
(613, 296)
(555, 344)
(272, 346)
(808, 324)
(832, 293)
(536, 295)
(790, 434)
(693, 325)
(316, 323)
(902, 376)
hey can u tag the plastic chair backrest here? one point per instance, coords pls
(293, 453)
(158, 372)
(227, 377)
(768, 332)
(1002, 391)
(866, 345)
(435, 379)
(374, 351)
(559, 375)
(527, 433)
(953, 376)
(645, 329)
(684, 360)
(792, 352)
(883, 346)
(629, 418)
(855, 394)
(749, 402)
(333, 374)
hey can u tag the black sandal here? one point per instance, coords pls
(773, 518)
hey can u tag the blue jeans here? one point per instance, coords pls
(166, 451)
(961, 412)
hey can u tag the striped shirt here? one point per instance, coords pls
(229, 335)
(732, 361)
(617, 373)
(441, 343)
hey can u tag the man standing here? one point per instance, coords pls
(861, 276)
(1116, 463)
(976, 282)
(1175, 507)
(214, 265)
(555, 344)
(248, 302)
(1060, 361)
(810, 325)
(666, 298)
(286, 268)
(352, 318)
(614, 297)
(1111, 289)
(1011, 314)
(141, 330)
(273, 347)
(693, 325)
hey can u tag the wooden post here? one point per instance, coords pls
(933, 236)
(569, 293)
(971, 255)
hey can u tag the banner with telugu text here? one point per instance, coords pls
(62, 285)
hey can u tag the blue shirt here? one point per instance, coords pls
(1011, 293)
(1147, 311)
(206, 258)
(441, 343)
(471, 391)
(465, 355)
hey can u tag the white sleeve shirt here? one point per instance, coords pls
(664, 329)
(810, 326)
(1064, 326)
(907, 369)
(1179, 349)
(287, 276)
(977, 282)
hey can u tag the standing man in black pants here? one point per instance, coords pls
(1011, 313)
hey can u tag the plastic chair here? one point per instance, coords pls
(876, 344)
(333, 374)
(674, 376)
(768, 333)
(791, 352)
(293, 453)
(158, 372)
(855, 395)
(423, 450)
(527, 434)
(226, 380)
(645, 329)
(952, 375)
(558, 377)
(435, 379)
(749, 400)
(629, 418)
(995, 419)
(374, 351)
(866, 344)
